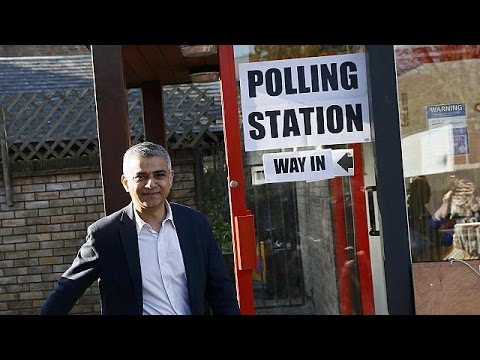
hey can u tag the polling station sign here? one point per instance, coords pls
(304, 102)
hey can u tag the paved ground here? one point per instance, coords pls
(293, 310)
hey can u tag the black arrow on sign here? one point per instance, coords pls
(346, 162)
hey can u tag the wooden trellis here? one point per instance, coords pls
(188, 120)
(50, 125)
(62, 124)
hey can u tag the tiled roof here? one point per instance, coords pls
(25, 75)
(32, 74)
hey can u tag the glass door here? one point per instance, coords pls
(316, 246)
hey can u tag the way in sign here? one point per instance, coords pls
(297, 164)
(310, 165)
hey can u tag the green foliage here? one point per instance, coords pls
(221, 226)
(216, 198)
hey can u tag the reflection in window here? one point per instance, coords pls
(438, 92)
(275, 52)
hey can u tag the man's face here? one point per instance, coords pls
(148, 181)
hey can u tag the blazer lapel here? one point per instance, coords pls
(128, 235)
(189, 258)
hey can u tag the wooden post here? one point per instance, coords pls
(112, 121)
(153, 113)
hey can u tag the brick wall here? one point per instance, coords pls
(183, 189)
(43, 230)
(40, 235)
(317, 241)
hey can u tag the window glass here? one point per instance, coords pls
(439, 104)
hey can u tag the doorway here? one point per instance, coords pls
(318, 247)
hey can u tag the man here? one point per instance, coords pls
(151, 257)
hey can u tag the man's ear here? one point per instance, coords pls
(172, 173)
(124, 181)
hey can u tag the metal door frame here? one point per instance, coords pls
(386, 138)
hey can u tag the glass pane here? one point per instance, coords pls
(440, 121)
(295, 225)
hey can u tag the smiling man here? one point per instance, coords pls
(152, 257)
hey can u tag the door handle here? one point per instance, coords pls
(371, 210)
(244, 232)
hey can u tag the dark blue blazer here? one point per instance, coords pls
(111, 256)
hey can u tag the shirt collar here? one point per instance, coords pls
(140, 223)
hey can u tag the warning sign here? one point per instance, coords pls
(453, 116)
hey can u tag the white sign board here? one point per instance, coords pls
(298, 166)
(304, 102)
(258, 175)
(312, 165)
(342, 160)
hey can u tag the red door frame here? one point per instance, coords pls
(241, 218)
(362, 255)
(338, 201)
(361, 232)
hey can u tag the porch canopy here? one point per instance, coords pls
(149, 67)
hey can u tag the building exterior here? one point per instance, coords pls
(398, 234)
